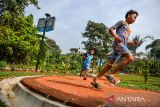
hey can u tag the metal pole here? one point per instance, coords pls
(38, 57)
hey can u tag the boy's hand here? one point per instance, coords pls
(92, 63)
(137, 43)
(118, 39)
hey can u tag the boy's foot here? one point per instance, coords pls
(110, 79)
(96, 85)
(84, 78)
(117, 82)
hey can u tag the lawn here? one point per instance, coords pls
(7, 74)
(137, 82)
(2, 104)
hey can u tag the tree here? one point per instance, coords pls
(49, 54)
(75, 50)
(54, 50)
(138, 39)
(16, 7)
(18, 41)
(99, 38)
(154, 49)
(53, 47)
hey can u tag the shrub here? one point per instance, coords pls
(3, 64)
(2, 104)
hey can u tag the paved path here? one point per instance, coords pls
(75, 91)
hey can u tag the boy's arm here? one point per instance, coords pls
(134, 43)
(111, 30)
(92, 63)
(130, 43)
(84, 56)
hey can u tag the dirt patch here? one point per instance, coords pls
(75, 91)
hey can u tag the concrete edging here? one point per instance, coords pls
(14, 94)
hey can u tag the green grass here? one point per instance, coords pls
(2, 104)
(7, 74)
(137, 82)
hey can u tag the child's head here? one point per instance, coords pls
(91, 51)
(131, 16)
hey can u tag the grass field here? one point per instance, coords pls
(7, 74)
(137, 82)
(2, 104)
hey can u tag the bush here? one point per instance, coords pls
(69, 63)
(144, 67)
(3, 64)
(50, 67)
(2, 104)
(155, 68)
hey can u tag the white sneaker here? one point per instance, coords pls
(117, 82)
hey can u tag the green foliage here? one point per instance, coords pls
(53, 47)
(137, 82)
(6, 74)
(154, 49)
(49, 54)
(16, 7)
(72, 62)
(76, 63)
(155, 68)
(138, 39)
(18, 40)
(144, 67)
(51, 67)
(98, 37)
(3, 64)
(66, 64)
(43, 56)
(2, 104)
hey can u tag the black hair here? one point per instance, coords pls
(91, 49)
(131, 12)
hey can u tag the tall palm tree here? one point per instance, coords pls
(154, 48)
(138, 39)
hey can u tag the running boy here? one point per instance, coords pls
(87, 60)
(119, 47)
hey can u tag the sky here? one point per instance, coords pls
(72, 17)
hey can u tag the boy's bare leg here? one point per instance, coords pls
(81, 73)
(129, 59)
(85, 75)
(105, 69)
